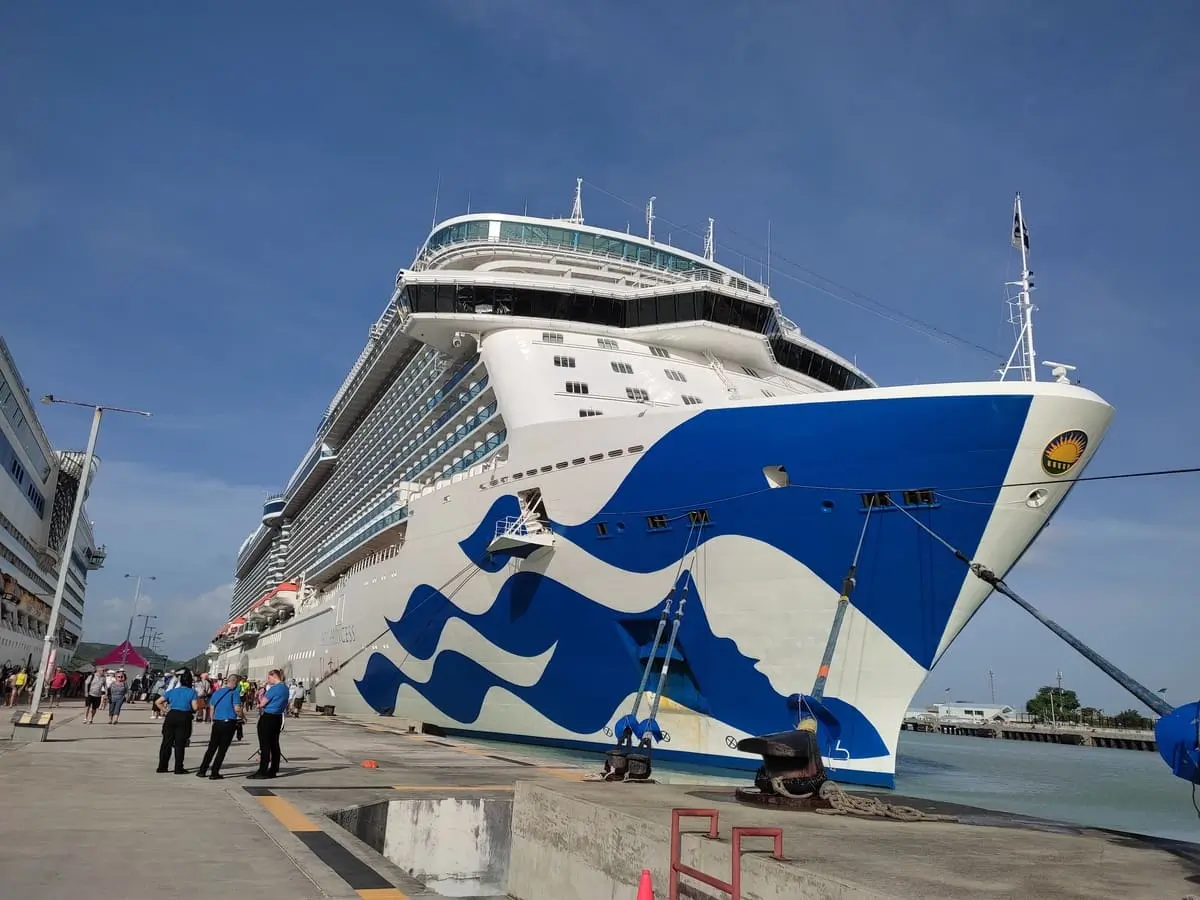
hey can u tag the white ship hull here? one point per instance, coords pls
(550, 648)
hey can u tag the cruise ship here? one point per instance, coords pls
(37, 493)
(557, 434)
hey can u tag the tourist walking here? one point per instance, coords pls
(180, 705)
(226, 705)
(57, 685)
(93, 690)
(118, 692)
(270, 723)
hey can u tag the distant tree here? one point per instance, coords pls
(1053, 703)
(1090, 715)
(1131, 718)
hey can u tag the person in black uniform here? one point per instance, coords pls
(226, 703)
(270, 723)
(180, 705)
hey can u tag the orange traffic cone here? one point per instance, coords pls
(645, 888)
(370, 764)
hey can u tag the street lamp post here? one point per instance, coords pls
(137, 593)
(69, 547)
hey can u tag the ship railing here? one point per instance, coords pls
(381, 332)
(521, 526)
(425, 260)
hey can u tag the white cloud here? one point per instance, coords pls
(180, 527)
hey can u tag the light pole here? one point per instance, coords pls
(69, 547)
(137, 593)
(146, 627)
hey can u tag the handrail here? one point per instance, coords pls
(733, 887)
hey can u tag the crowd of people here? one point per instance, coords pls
(181, 699)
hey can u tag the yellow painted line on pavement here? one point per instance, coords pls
(290, 817)
(382, 894)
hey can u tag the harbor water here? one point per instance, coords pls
(1122, 790)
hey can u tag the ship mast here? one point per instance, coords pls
(576, 217)
(1022, 359)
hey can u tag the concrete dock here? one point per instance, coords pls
(84, 814)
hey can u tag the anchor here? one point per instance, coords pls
(792, 774)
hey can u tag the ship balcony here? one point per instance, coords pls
(520, 536)
(273, 510)
(212, 649)
(309, 480)
(95, 557)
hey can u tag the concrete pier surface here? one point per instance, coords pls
(84, 814)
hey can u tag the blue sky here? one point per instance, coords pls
(202, 211)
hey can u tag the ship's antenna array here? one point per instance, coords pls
(650, 219)
(710, 244)
(767, 276)
(1022, 359)
(576, 217)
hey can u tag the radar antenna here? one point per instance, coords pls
(710, 244)
(650, 219)
(576, 216)
(1022, 359)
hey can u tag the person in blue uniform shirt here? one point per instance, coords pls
(180, 705)
(226, 704)
(270, 723)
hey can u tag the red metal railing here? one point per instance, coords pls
(733, 887)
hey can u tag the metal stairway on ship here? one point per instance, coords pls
(523, 535)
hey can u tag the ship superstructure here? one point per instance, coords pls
(554, 426)
(37, 491)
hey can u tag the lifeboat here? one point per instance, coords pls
(259, 612)
(284, 596)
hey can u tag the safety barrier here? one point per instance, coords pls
(733, 887)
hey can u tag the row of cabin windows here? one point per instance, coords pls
(555, 337)
(633, 393)
(622, 368)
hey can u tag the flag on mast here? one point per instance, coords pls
(1020, 234)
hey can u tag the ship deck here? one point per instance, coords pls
(84, 813)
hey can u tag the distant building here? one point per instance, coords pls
(963, 712)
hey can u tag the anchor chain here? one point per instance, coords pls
(842, 803)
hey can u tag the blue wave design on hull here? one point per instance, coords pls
(474, 546)
(594, 667)
(907, 585)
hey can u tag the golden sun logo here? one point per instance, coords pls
(1063, 452)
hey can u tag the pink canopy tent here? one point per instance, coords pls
(123, 656)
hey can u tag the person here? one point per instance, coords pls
(270, 723)
(180, 705)
(19, 683)
(159, 688)
(203, 689)
(296, 696)
(118, 692)
(57, 684)
(93, 690)
(226, 705)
